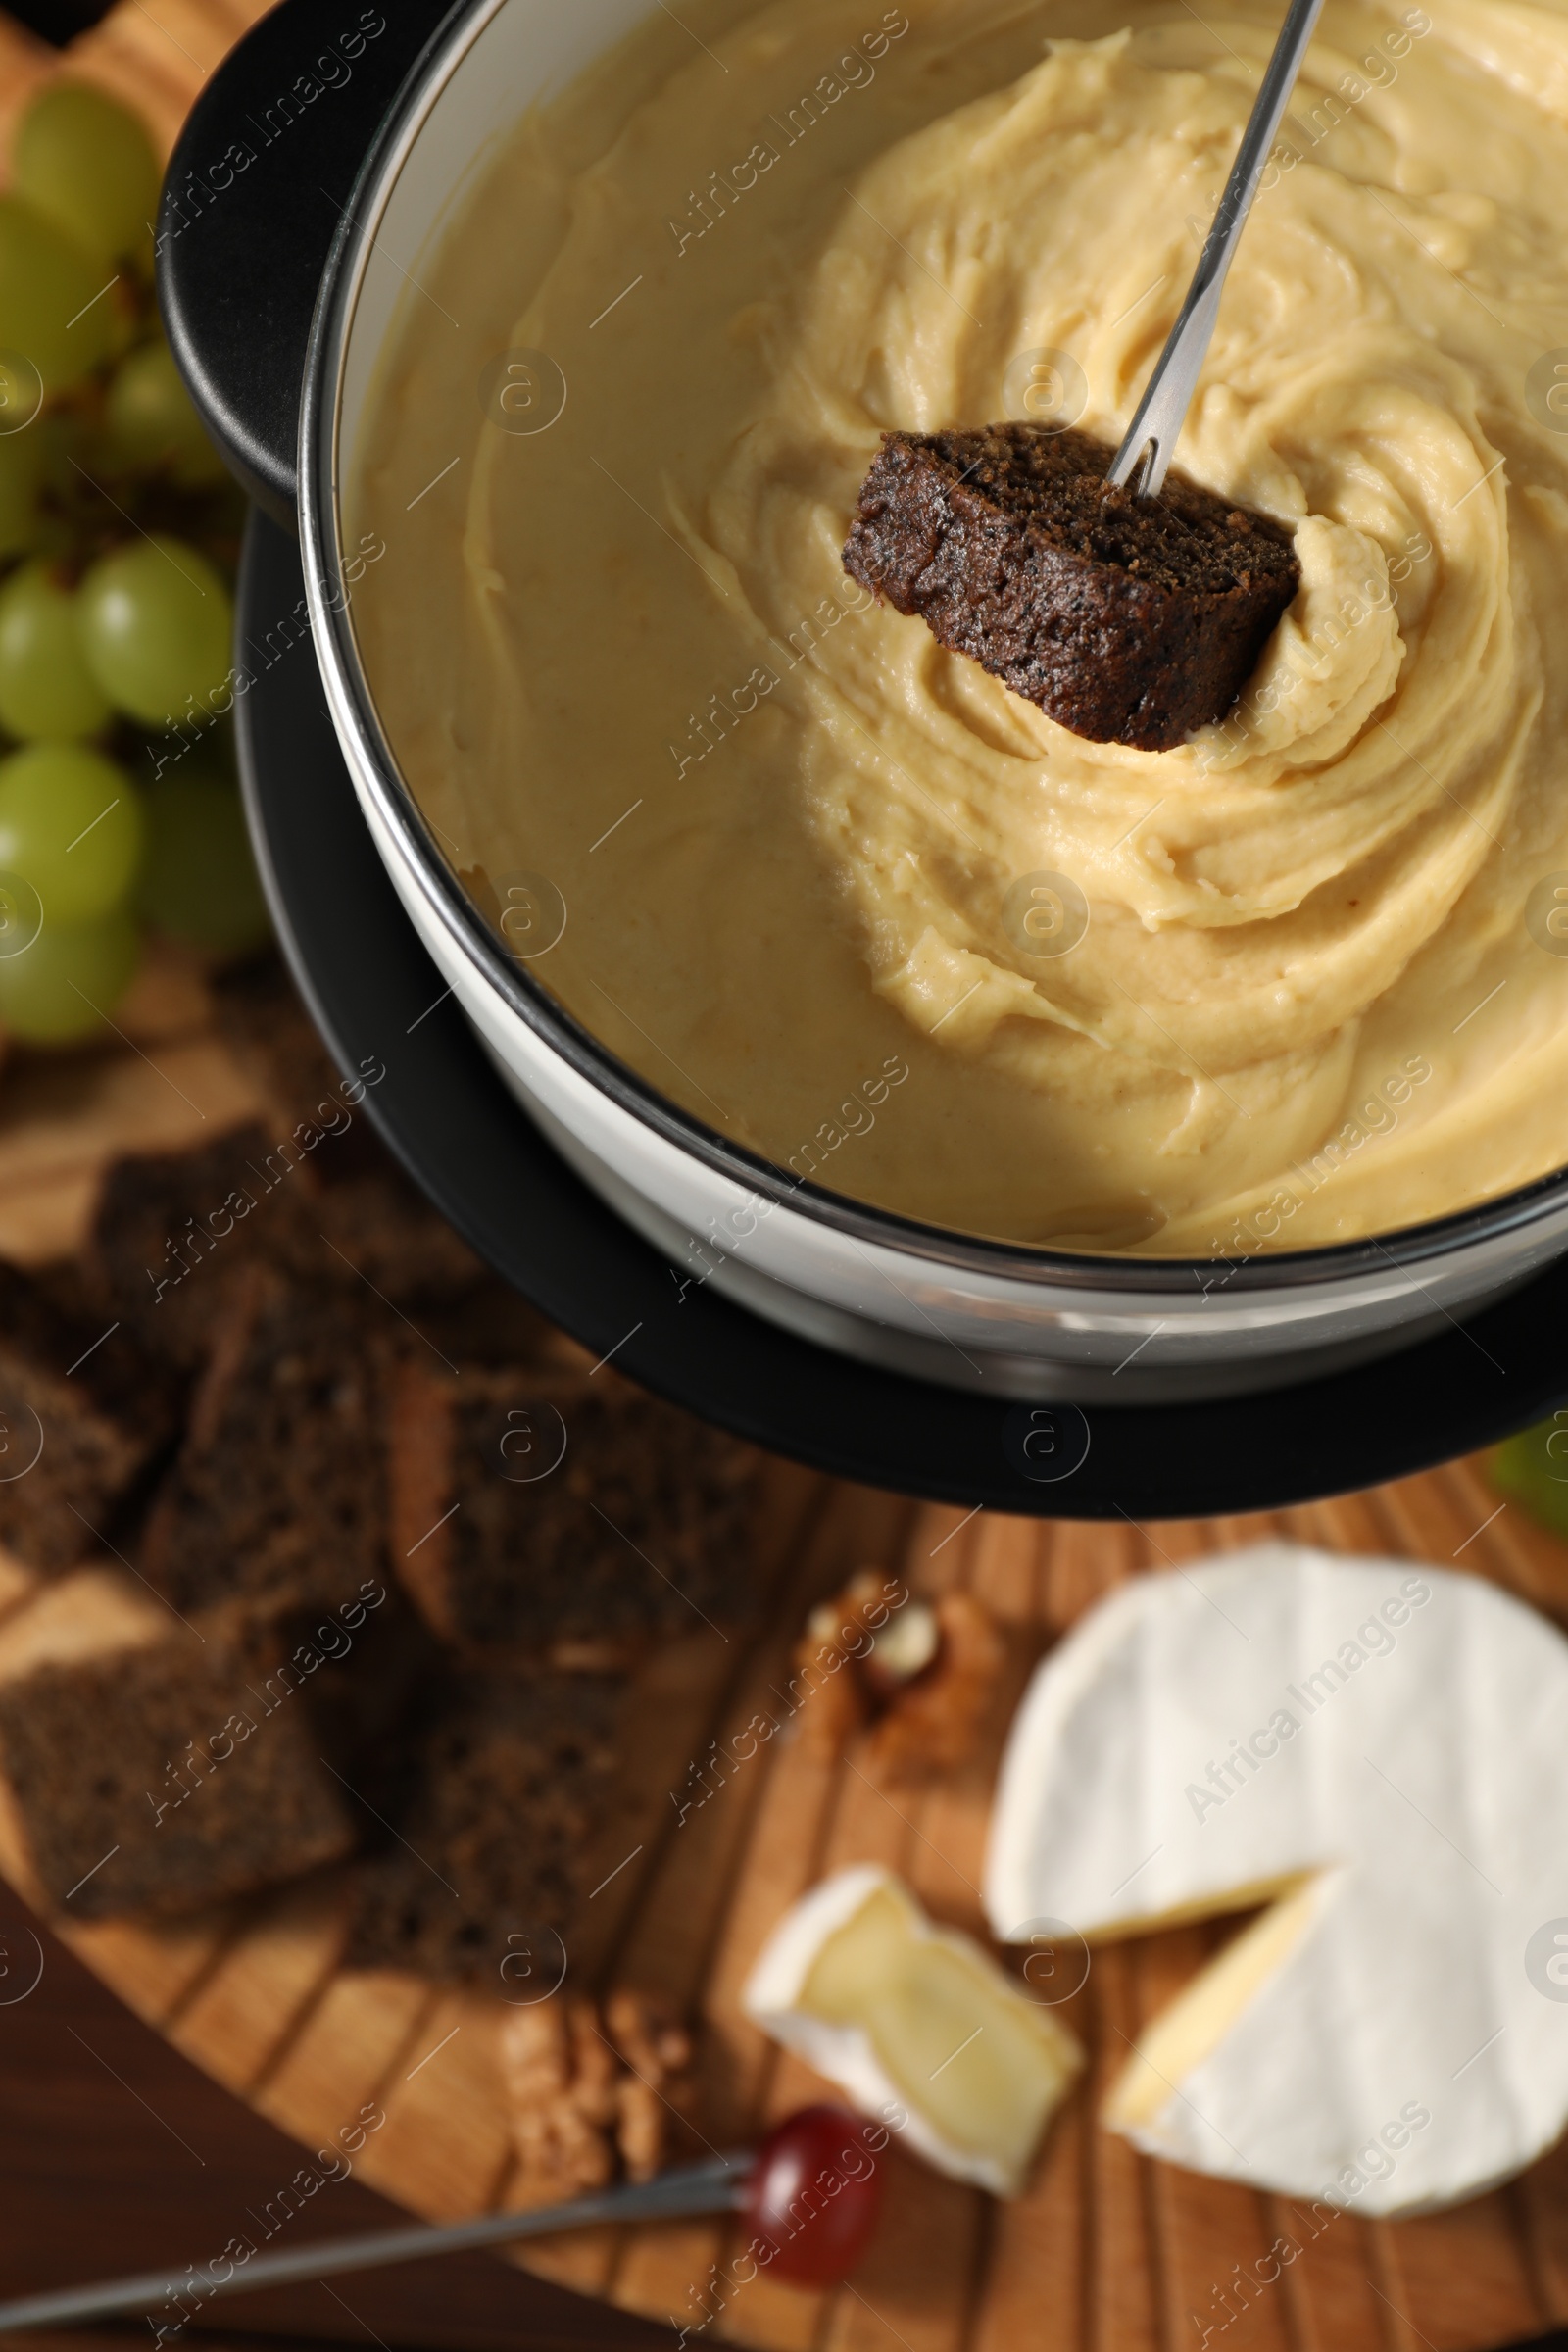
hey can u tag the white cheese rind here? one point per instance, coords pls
(844, 2053)
(778, 1979)
(1426, 1779)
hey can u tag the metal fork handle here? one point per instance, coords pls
(1158, 421)
(718, 2184)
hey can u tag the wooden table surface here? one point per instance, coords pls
(117, 2155)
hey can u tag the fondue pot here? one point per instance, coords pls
(285, 246)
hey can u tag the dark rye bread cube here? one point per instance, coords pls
(271, 1036)
(369, 1220)
(173, 1230)
(277, 1495)
(377, 1230)
(1128, 620)
(509, 1778)
(559, 1519)
(359, 1663)
(156, 1781)
(80, 1417)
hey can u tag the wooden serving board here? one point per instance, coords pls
(1109, 2251)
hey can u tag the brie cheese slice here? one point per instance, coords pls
(918, 2025)
(1377, 1751)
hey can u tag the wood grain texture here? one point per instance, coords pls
(1107, 2252)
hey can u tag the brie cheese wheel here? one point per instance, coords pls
(1382, 1750)
(918, 2025)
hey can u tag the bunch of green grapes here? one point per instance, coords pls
(118, 535)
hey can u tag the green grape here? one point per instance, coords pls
(1532, 1469)
(23, 460)
(198, 880)
(45, 685)
(69, 981)
(55, 310)
(63, 442)
(87, 166)
(71, 824)
(156, 626)
(152, 425)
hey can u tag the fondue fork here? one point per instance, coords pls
(1150, 438)
(717, 2185)
(810, 2190)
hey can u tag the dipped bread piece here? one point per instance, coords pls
(1128, 620)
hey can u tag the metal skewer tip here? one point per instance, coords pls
(1151, 439)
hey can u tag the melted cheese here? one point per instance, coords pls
(1319, 995)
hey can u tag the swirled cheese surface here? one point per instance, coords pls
(838, 892)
